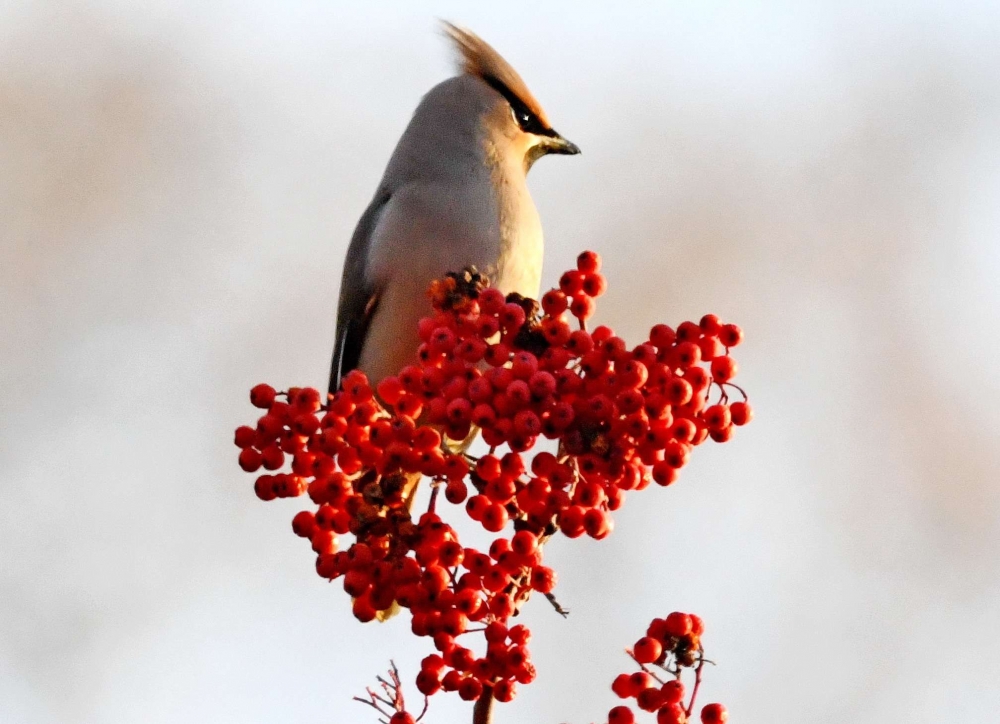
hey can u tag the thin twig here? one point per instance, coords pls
(555, 604)
(424, 710)
(697, 681)
(741, 390)
(642, 666)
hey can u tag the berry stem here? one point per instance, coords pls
(434, 494)
(697, 680)
(740, 389)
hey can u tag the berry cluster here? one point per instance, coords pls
(670, 645)
(516, 371)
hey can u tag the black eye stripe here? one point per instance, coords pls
(528, 121)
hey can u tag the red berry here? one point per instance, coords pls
(495, 517)
(598, 523)
(710, 324)
(470, 689)
(554, 303)
(491, 301)
(724, 368)
(686, 354)
(427, 682)
(649, 699)
(621, 715)
(717, 417)
(264, 488)
(524, 543)
(722, 434)
(571, 521)
(272, 457)
(671, 714)
(512, 316)
(662, 336)
(324, 542)
(363, 610)
(594, 285)
(714, 714)
(673, 692)
(678, 624)
(519, 634)
(245, 436)
(402, 717)
(589, 262)
(730, 335)
(262, 396)
(647, 650)
(504, 691)
(641, 680)
(711, 347)
(697, 625)
(476, 507)
(571, 282)
(622, 686)
(250, 459)
(741, 413)
(543, 579)
(304, 524)
(488, 467)
(664, 474)
(456, 491)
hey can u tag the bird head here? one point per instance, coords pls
(515, 113)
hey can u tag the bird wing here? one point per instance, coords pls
(358, 294)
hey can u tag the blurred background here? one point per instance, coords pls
(178, 183)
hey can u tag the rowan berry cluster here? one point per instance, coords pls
(670, 645)
(516, 371)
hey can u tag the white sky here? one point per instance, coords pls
(177, 187)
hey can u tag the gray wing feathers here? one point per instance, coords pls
(358, 295)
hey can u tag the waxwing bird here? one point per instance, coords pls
(454, 194)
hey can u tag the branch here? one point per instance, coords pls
(482, 712)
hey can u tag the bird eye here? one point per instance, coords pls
(527, 121)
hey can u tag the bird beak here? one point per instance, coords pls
(558, 144)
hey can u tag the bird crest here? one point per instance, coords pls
(478, 58)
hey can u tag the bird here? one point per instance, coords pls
(453, 195)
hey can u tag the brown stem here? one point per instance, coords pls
(434, 495)
(482, 712)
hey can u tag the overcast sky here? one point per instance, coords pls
(178, 183)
